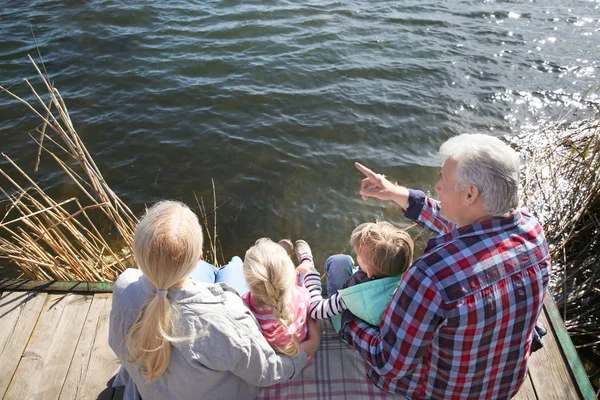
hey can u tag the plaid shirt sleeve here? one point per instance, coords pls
(426, 212)
(406, 330)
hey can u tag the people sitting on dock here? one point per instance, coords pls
(461, 323)
(179, 337)
(276, 297)
(384, 252)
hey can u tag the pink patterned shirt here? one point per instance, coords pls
(276, 334)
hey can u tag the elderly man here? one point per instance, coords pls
(462, 320)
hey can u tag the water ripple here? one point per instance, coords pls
(275, 100)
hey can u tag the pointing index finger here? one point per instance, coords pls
(364, 170)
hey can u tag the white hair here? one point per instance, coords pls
(488, 163)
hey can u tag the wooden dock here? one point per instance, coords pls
(54, 345)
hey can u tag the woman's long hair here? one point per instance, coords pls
(271, 277)
(167, 245)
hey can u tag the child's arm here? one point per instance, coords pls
(321, 308)
(305, 268)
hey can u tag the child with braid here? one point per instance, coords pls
(276, 298)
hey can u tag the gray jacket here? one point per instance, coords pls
(227, 357)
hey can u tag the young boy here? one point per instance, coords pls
(382, 250)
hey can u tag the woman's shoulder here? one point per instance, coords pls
(212, 301)
(129, 288)
(127, 277)
(228, 320)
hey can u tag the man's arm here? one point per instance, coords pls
(406, 331)
(376, 185)
(425, 211)
(418, 207)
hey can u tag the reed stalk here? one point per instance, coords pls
(50, 239)
(60, 240)
(561, 186)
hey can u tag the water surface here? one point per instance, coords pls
(275, 100)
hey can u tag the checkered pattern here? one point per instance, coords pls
(461, 323)
(336, 372)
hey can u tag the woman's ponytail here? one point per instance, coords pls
(167, 245)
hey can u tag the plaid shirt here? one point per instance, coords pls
(461, 322)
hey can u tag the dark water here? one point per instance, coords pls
(275, 100)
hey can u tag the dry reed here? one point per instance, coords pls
(561, 186)
(214, 244)
(59, 240)
(62, 240)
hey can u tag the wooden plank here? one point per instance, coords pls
(18, 315)
(55, 286)
(568, 350)
(526, 392)
(94, 362)
(46, 360)
(549, 372)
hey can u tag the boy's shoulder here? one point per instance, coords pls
(358, 277)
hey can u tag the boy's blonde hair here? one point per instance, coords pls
(388, 249)
(167, 244)
(271, 277)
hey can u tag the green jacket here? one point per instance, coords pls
(368, 300)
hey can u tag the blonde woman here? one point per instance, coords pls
(179, 338)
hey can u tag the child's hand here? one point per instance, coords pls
(313, 340)
(305, 268)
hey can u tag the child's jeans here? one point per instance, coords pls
(232, 274)
(338, 269)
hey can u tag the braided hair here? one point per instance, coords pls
(271, 277)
